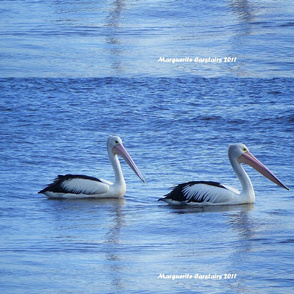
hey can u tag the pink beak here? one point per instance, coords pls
(120, 150)
(251, 160)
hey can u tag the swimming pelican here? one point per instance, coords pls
(212, 193)
(79, 186)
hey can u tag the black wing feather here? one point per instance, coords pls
(177, 193)
(56, 186)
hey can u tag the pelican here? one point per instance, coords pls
(80, 186)
(213, 193)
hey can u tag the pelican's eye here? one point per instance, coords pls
(244, 149)
(116, 142)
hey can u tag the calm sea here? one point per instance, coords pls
(179, 82)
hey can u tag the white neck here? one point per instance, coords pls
(119, 177)
(247, 194)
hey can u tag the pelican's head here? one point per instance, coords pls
(240, 153)
(115, 147)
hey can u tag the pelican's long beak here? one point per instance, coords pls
(120, 150)
(251, 160)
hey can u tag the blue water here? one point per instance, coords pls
(71, 73)
(176, 130)
(127, 38)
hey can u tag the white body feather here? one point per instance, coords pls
(211, 194)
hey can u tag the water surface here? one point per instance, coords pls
(176, 130)
(73, 72)
(127, 38)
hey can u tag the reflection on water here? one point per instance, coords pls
(242, 223)
(97, 233)
(114, 38)
(113, 255)
(217, 208)
(245, 15)
(243, 9)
